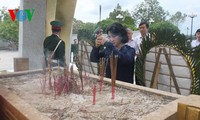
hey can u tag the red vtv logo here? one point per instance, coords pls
(21, 15)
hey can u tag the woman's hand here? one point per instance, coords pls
(100, 41)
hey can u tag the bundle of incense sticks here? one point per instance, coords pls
(65, 69)
(43, 81)
(74, 85)
(102, 70)
(50, 73)
(66, 75)
(113, 67)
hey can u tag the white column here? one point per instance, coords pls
(32, 33)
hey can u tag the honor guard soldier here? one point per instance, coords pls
(54, 47)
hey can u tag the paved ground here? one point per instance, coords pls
(6, 60)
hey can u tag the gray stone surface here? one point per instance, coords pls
(180, 68)
(7, 45)
(3, 44)
(6, 60)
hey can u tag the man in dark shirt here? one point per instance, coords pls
(74, 47)
(54, 47)
(117, 36)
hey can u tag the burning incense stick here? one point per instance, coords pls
(43, 83)
(115, 68)
(43, 80)
(85, 78)
(94, 95)
(102, 69)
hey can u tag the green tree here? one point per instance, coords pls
(150, 10)
(166, 31)
(86, 35)
(86, 32)
(77, 24)
(89, 26)
(126, 19)
(105, 23)
(177, 18)
(116, 12)
(128, 22)
(9, 30)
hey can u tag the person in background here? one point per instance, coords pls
(144, 33)
(74, 50)
(74, 47)
(143, 27)
(116, 44)
(131, 42)
(196, 42)
(54, 46)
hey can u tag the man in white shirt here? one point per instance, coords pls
(131, 41)
(143, 27)
(196, 42)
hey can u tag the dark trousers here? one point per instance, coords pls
(139, 72)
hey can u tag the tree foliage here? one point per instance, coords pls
(86, 35)
(177, 18)
(126, 19)
(150, 10)
(89, 26)
(77, 24)
(117, 11)
(105, 23)
(164, 30)
(86, 32)
(9, 30)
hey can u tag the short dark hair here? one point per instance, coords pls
(119, 30)
(143, 22)
(198, 31)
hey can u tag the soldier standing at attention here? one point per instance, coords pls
(54, 47)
